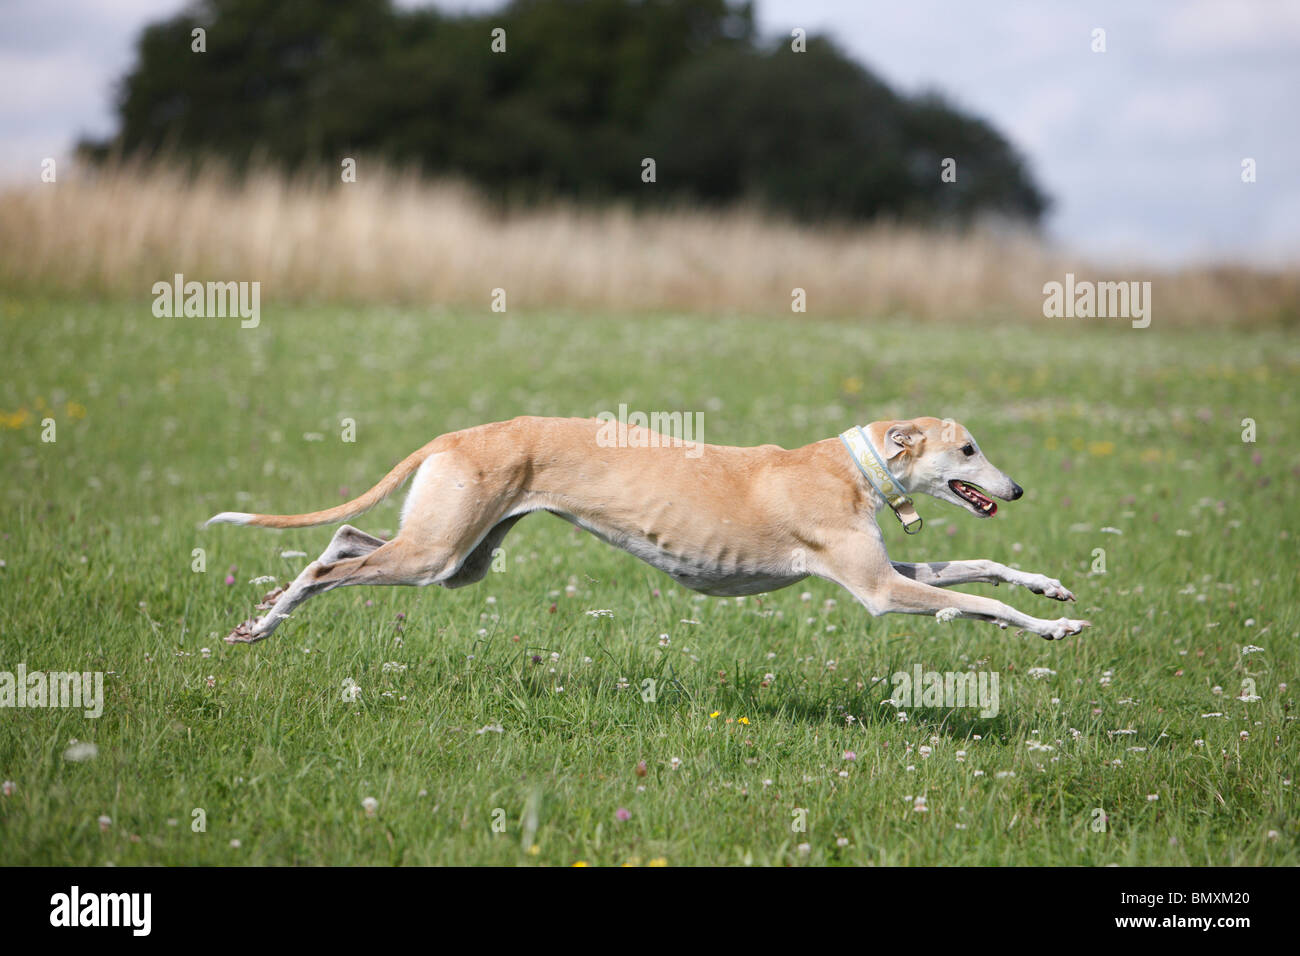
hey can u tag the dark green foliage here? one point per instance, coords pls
(585, 90)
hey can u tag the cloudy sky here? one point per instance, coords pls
(1140, 146)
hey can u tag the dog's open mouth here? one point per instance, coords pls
(984, 505)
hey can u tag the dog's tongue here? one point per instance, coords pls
(983, 501)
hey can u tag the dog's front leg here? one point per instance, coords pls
(857, 561)
(943, 574)
(896, 594)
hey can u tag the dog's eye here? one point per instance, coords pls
(968, 450)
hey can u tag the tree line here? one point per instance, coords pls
(564, 98)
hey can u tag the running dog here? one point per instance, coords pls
(717, 519)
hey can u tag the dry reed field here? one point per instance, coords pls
(397, 238)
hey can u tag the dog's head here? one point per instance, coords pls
(940, 458)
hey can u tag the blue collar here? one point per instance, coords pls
(877, 473)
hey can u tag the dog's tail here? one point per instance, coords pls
(387, 485)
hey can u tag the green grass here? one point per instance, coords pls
(162, 422)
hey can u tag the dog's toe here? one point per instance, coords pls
(1054, 589)
(1063, 628)
(243, 633)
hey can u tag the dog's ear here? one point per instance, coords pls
(901, 437)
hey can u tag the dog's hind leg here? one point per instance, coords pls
(476, 566)
(348, 542)
(943, 574)
(427, 551)
(448, 514)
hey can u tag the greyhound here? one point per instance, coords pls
(719, 520)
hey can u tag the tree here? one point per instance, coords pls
(584, 91)
(817, 135)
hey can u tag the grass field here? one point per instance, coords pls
(508, 702)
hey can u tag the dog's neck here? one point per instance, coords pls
(864, 445)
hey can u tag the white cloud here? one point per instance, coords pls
(1140, 146)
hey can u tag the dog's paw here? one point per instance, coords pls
(1061, 628)
(244, 633)
(268, 601)
(1049, 587)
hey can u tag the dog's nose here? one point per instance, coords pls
(1016, 491)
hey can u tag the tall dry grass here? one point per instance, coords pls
(393, 237)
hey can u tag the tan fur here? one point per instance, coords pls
(719, 519)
